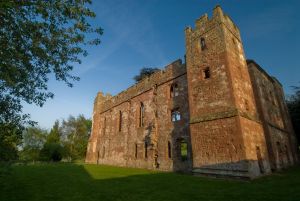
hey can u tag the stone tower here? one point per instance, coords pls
(226, 135)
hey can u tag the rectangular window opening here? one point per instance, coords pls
(206, 73)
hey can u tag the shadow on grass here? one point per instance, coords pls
(91, 182)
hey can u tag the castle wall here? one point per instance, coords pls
(217, 146)
(146, 145)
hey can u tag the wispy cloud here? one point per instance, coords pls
(125, 23)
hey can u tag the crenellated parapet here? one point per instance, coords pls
(204, 24)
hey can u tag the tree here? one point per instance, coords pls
(55, 134)
(32, 143)
(75, 132)
(9, 141)
(293, 104)
(52, 149)
(145, 72)
(52, 152)
(38, 38)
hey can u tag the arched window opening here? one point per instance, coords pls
(175, 115)
(174, 90)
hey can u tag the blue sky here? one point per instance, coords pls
(150, 33)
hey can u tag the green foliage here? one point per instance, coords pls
(75, 133)
(52, 149)
(33, 141)
(52, 152)
(67, 140)
(55, 134)
(293, 104)
(9, 140)
(145, 72)
(38, 38)
(183, 151)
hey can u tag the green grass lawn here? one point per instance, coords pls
(92, 182)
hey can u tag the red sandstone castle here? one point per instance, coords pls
(215, 114)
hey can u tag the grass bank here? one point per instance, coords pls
(43, 182)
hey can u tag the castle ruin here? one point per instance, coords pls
(215, 114)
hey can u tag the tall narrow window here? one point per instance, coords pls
(103, 152)
(174, 90)
(104, 125)
(98, 156)
(206, 73)
(146, 150)
(120, 121)
(136, 150)
(175, 115)
(202, 43)
(142, 114)
(169, 149)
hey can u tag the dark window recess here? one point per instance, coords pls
(203, 44)
(174, 90)
(206, 73)
(169, 150)
(146, 150)
(136, 150)
(175, 115)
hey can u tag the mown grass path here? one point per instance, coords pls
(72, 182)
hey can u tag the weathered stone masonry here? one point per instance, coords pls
(215, 114)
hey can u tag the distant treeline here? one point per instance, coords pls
(67, 140)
